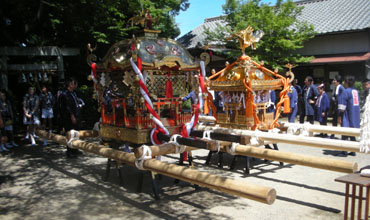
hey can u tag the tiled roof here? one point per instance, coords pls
(191, 39)
(327, 16)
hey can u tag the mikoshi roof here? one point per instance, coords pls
(154, 52)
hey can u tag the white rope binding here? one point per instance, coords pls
(255, 140)
(147, 155)
(305, 130)
(75, 135)
(179, 148)
(207, 136)
(293, 130)
(231, 149)
(274, 130)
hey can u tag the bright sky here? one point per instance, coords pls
(199, 10)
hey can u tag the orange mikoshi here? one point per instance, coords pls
(244, 87)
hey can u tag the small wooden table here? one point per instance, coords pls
(355, 179)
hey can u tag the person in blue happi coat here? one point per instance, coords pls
(190, 96)
(310, 94)
(337, 93)
(300, 101)
(293, 97)
(349, 106)
(322, 107)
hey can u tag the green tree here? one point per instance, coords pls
(284, 33)
(78, 22)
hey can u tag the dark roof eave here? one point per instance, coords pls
(343, 32)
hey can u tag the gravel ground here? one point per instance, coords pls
(41, 183)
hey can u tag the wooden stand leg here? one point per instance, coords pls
(353, 201)
(276, 148)
(247, 165)
(359, 203)
(220, 159)
(154, 186)
(181, 162)
(346, 202)
(190, 159)
(367, 203)
(176, 181)
(267, 147)
(118, 165)
(233, 161)
(107, 171)
(140, 182)
(209, 157)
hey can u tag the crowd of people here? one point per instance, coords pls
(66, 104)
(313, 103)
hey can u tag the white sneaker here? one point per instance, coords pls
(35, 136)
(27, 136)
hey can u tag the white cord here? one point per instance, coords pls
(207, 135)
(255, 140)
(75, 135)
(179, 148)
(231, 149)
(274, 130)
(305, 129)
(292, 130)
(147, 155)
(173, 139)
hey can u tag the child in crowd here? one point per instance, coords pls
(7, 118)
(47, 114)
(31, 113)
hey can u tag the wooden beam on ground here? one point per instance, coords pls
(235, 187)
(290, 139)
(269, 154)
(161, 150)
(206, 118)
(323, 129)
(293, 158)
(209, 145)
(222, 137)
(84, 134)
(311, 128)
